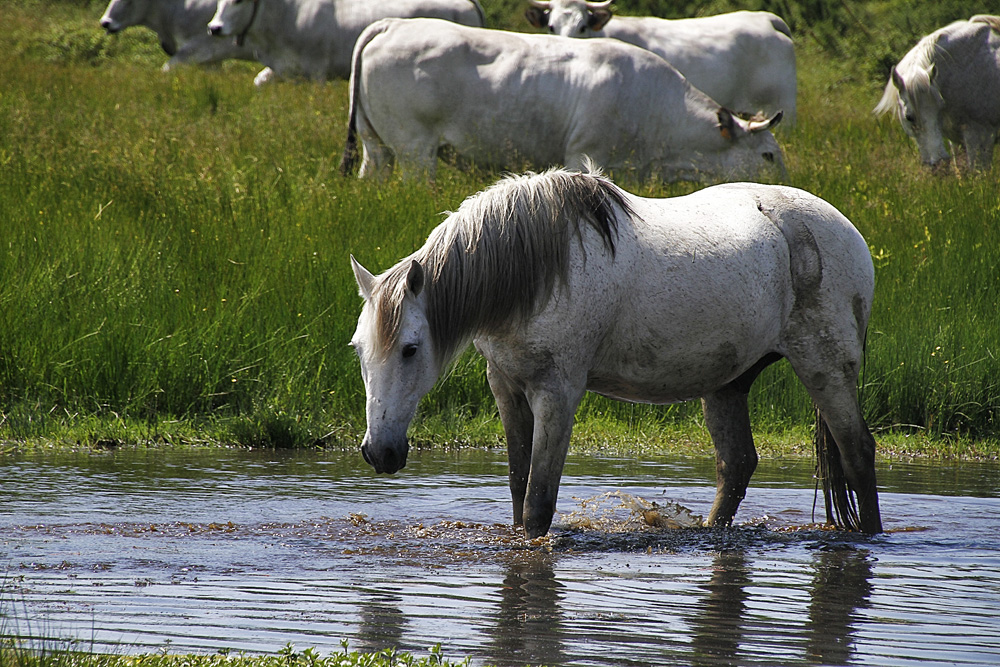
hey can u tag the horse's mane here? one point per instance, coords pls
(915, 69)
(497, 258)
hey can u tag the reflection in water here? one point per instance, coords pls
(382, 623)
(840, 587)
(718, 627)
(528, 626)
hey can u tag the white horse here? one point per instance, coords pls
(947, 89)
(566, 283)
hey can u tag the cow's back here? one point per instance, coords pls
(511, 100)
(490, 94)
(356, 15)
(741, 59)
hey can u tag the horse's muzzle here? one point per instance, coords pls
(386, 459)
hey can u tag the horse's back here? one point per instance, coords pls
(712, 282)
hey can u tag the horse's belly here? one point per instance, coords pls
(654, 378)
(640, 393)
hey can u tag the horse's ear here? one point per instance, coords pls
(415, 277)
(365, 279)
(897, 81)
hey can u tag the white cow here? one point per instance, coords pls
(948, 87)
(314, 38)
(507, 99)
(743, 60)
(181, 26)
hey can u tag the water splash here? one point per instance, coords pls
(621, 512)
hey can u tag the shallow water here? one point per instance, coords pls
(247, 551)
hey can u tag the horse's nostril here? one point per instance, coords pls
(769, 157)
(364, 455)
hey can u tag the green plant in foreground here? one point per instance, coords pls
(12, 654)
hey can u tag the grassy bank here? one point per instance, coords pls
(173, 266)
(12, 655)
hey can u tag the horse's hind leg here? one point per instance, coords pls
(835, 395)
(518, 425)
(728, 420)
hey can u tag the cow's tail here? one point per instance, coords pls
(479, 10)
(779, 24)
(349, 161)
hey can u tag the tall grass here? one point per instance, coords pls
(174, 251)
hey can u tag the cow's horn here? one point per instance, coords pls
(599, 5)
(541, 4)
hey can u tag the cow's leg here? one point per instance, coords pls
(418, 161)
(376, 158)
(518, 424)
(728, 420)
(201, 51)
(553, 412)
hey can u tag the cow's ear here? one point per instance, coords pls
(537, 16)
(365, 279)
(727, 124)
(415, 278)
(598, 19)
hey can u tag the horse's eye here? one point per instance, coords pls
(409, 350)
(910, 118)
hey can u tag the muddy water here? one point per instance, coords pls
(247, 551)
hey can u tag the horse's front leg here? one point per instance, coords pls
(518, 424)
(728, 420)
(553, 427)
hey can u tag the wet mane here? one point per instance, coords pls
(495, 260)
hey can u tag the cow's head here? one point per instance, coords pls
(233, 18)
(749, 149)
(569, 18)
(121, 14)
(921, 113)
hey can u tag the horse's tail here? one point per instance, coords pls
(349, 160)
(841, 508)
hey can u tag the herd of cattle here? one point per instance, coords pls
(675, 99)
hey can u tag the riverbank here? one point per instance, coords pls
(13, 655)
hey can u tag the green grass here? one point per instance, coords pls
(173, 263)
(12, 654)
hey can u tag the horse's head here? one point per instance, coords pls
(913, 97)
(398, 361)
